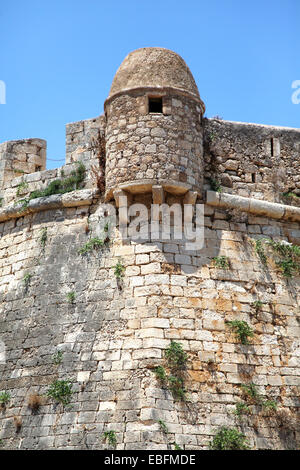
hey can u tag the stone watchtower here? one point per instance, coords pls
(154, 134)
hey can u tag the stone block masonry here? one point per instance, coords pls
(86, 317)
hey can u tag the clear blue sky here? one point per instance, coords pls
(58, 58)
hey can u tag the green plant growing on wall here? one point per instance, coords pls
(288, 254)
(57, 358)
(19, 171)
(119, 270)
(59, 186)
(61, 391)
(43, 237)
(92, 244)
(221, 262)
(106, 227)
(4, 399)
(259, 249)
(176, 386)
(163, 426)
(176, 356)
(161, 373)
(176, 360)
(110, 437)
(289, 262)
(257, 304)
(241, 408)
(176, 446)
(241, 329)
(229, 439)
(251, 391)
(269, 405)
(26, 281)
(21, 188)
(290, 195)
(215, 185)
(71, 297)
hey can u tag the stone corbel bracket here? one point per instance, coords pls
(76, 198)
(253, 206)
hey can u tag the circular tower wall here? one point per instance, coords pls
(154, 132)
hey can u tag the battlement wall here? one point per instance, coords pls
(252, 160)
(112, 333)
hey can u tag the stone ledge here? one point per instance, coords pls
(77, 198)
(253, 206)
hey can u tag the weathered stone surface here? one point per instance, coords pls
(102, 317)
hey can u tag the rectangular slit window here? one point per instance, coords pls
(155, 105)
(272, 147)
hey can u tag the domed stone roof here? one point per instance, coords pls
(153, 67)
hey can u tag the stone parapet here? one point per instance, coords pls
(253, 206)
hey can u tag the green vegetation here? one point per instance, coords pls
(241, 408)
(119, 270)
(21, 188)
(215, 185)
(4, 398)
(92, 244)
(289, 255)
(26, 280)
(291, 195)
(160, 373)
(110, 437)
(229, 439)
(242, 330)
(163, 426)
(221, 262)
(43, 237)
(176, 359)
(57, 358)
(71, 297)
(269, 405)
(61, 391)
(176, 386)
(177, 447)
(289, 261)
(176, 356)
(59, 186)
(257, 304)
(251, 391)
(259, 249)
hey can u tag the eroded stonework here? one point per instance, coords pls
(66, 313)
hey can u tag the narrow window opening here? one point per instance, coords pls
(253, 178)
(272, 147)
(155, 105)
(38, 168)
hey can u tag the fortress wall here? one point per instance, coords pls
(251, 159)
(81, 145)
(81, 138)
(116, 331)
(21, 157)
